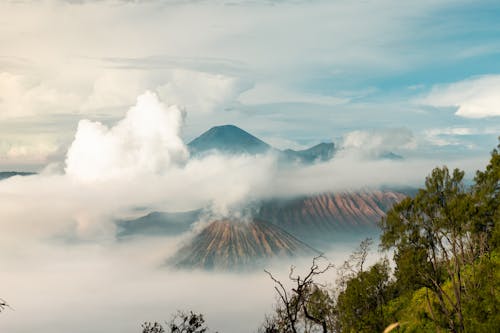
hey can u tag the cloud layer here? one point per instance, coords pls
(474, 98)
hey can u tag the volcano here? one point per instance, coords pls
(228, 139)
(228, 244)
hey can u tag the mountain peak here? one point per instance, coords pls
(228, 139)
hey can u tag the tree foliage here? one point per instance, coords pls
(182, 322)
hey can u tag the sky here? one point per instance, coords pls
(293, 73)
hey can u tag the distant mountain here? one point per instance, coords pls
(390, 156)
(320, 218)
(8, 174)
(228, 139)
(158, 224)
(229, 244)
(319, 153)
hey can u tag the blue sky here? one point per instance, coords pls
(294, 73)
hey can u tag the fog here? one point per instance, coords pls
(62, 269)
(113, 287)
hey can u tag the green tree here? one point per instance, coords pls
(428, 234)
(486, 191)
(360, 305)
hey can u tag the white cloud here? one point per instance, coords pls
(477, 97)
(272, 93)
(115, 88)
(27, 152)
(24, 96)
(377, 141)
(199, 91)
(145, 141)
(458, 136)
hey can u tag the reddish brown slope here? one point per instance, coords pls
(330, 211)
(228, 244)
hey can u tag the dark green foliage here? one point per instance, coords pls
(188, 323)
(152, 328)
(486, 193)
(359, 306)
(182, 322)
(3, 305)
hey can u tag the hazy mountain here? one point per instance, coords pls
(158, 224)
(8, 174)
(319, 153)
(227, 244)
(390, 156)
(230, 139)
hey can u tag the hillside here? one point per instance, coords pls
(321, 216)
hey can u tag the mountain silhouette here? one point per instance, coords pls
(228, 139)
(232, 140)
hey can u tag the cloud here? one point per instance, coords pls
(474, 98)
(24, 96)
(377, 141)
(271, 94)
(459, 136)
(145, 141)
(201, 92)
(90, 287)
(115, 88)
(19, 152)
